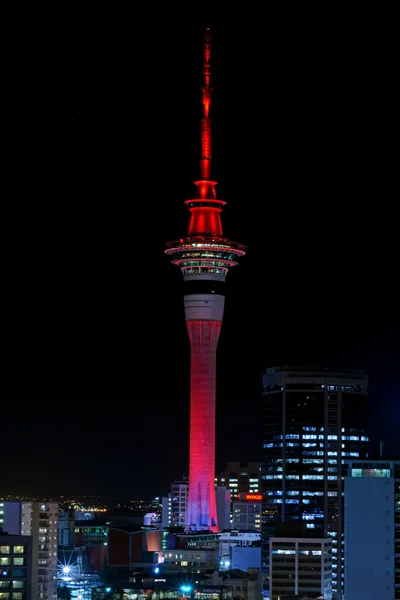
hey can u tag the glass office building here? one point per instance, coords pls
(313, 422)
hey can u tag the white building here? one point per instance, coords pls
(175, 504)
(39, 520)
(231, 541)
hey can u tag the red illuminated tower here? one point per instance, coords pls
(204, 257)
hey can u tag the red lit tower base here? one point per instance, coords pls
(204, 257)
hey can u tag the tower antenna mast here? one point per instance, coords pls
(206, 133)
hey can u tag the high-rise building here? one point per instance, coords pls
(16, 567)
(204, 257)
(313, 421)
(39, 520)
(372, 529)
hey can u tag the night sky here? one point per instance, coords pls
(305, 132)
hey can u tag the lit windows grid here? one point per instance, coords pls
(311, 456)
(12, 571)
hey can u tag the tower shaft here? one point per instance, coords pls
(202, 510)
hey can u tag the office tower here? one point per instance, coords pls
(246, 511)
(313, 421)
(301, 566)
(16, 567)
(39, 520)
(372, 529)
(204, 257)
(241, 478)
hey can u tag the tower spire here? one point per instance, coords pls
(206, 137)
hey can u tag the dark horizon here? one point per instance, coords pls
(108, 457)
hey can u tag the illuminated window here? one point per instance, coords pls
(5, 550)
(4, 561)
(18, 584)
(19, 549)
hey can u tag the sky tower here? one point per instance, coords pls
(204, 257)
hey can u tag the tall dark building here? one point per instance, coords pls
(313, 421)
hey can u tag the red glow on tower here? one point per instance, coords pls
(204, 257)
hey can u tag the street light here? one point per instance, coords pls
(186, 589)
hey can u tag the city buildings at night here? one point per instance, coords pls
(313, 421)
(204, 256)
(238, 478)
(372, 529)
(40, 521)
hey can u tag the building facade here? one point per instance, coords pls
(174, 506)
(16, 567)
(372, 530)
(313, 421)
(66, 526)
(40, 521)
(241, 478)
(300, 566)
(246, 511)
(230, 541)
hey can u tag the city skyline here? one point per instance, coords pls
(302, 156)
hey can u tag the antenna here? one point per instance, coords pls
(206, 138)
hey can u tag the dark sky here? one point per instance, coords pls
(305, 124)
